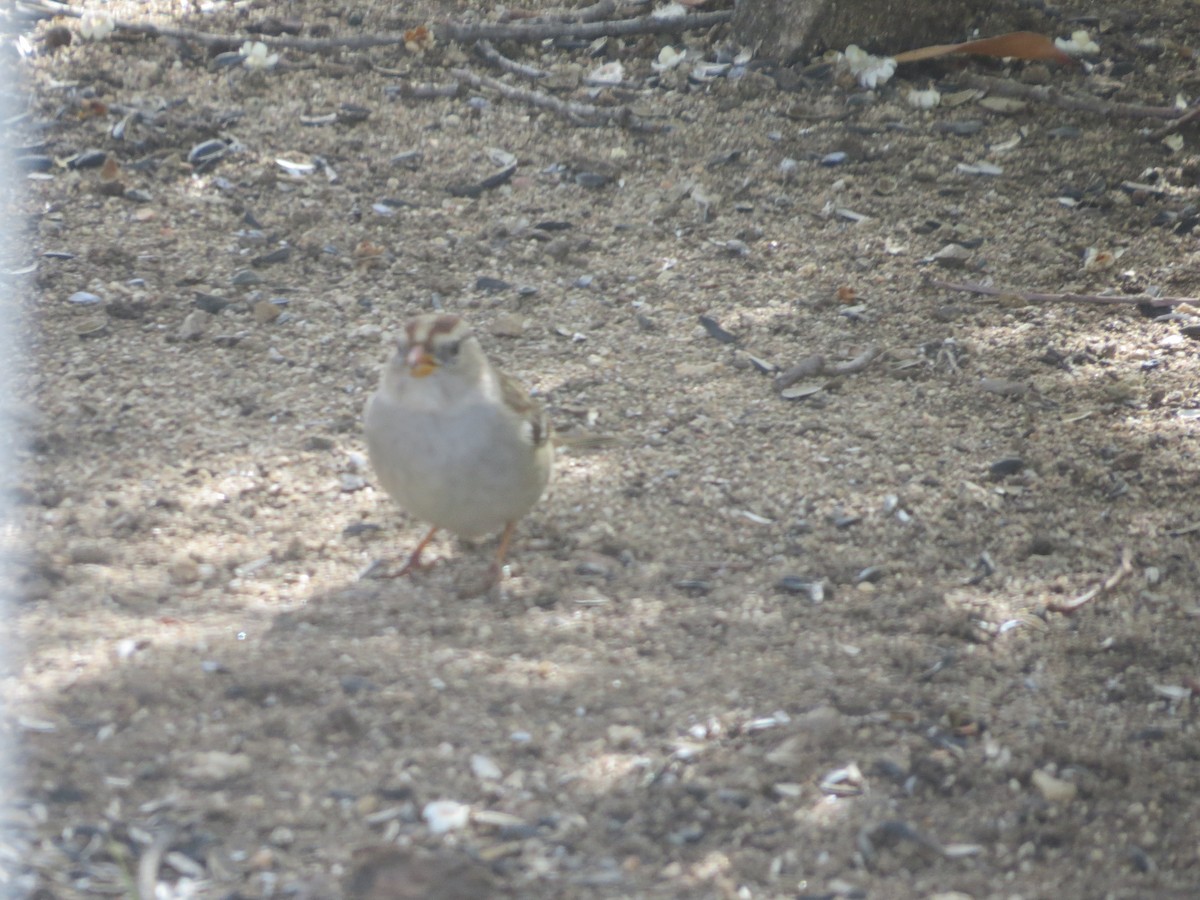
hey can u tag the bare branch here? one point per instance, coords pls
(578, 113)
(500, 61)
(445, 32)
(466, 34)
(1044, 94)
(605, 9)
(973, 287)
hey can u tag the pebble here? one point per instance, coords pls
(214, 767)
(210, 303)
(263, 859)
(194, 326)
(446, 815)
(184, 571)
(1002, 468)
(1052, 789)
(409, 159)
(509, 325)
(491, 285)
(951, 256)
(351, 483)
(266, 312)
(83, 298)
(484, 768)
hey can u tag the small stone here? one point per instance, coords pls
(484, 768)
(1002, 468)
(184, 571)
(951, 256)
(261, 860)
(213, 767)
(367, 334)
(351, 483)
(282, 836)
(509, 325)
(245, 278)
(1052, 789)
(194, 326)
(446, 815)
(265, 312)
(490, 285)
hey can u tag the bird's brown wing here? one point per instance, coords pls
(518, 399)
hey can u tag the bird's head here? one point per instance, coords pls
(438, 345)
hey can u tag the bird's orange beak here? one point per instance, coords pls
(420, 363)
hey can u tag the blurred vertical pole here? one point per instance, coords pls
(10, 345)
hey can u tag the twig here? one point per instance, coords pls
(1123, 571)
(207, 38)
(466, 34)
(578, 113)
(445, 33)
(423, 90)
(500, 61)
(1044, 94)
(1186, 119)
(973, 287)
(857, 364)
(605, 9)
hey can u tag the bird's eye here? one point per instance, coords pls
(447, 351)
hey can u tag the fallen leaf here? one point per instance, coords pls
(1016, 44)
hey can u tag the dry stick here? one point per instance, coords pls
(500, 61)
(207, 38)
(445, 33)
(1187, 118)
(423, 90)
(466, 34)
(857, 364)
(1123, 571)
(1043, 94)
(603, 10)
(578, 113)
(972, 287)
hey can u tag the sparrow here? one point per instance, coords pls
(455, 442)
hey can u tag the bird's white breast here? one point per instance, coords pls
(460, 463)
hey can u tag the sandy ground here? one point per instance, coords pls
(752, 645)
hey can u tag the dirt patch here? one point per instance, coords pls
(752, 646)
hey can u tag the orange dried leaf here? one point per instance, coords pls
(1016, 44)
(92, 108)
(419, 39)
